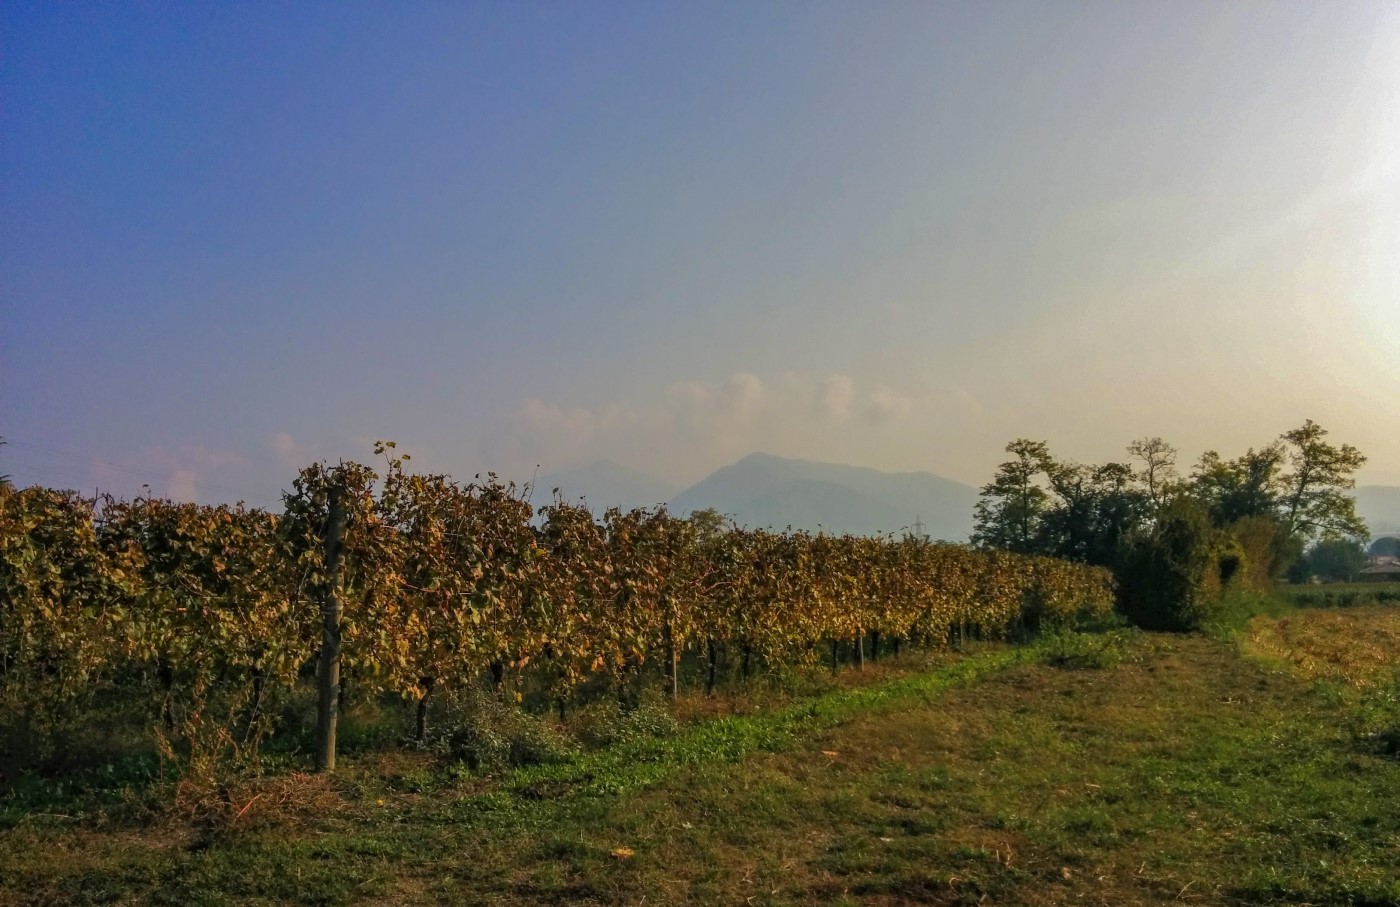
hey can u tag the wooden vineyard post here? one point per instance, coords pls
(420, 724)
(672, 658)
(714, 658)
(328, 664)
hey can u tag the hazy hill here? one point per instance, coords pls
(1379, 506)
(605, 484)
(770, 491)
(762, 490)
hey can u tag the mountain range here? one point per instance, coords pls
(766, 491)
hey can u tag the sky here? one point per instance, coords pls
(238, 238)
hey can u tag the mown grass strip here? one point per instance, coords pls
(644, 762)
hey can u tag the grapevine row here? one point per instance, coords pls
(207, 616)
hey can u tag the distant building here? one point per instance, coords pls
(1381, 568)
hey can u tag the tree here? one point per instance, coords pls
(1098, 508)
(1338, 560)
(1386, 546)
(1172, 575)
(1175, 546)
(1038, 505)
(1268, 549)
(709, 523)
(1012, 506)
(1312, 499)
(1245, 487)
(1158, 466)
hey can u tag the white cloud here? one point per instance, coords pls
(690, 428)
(694, 426)
(835, 396)
(888, 404)
(713, 413)
(570, 427)
(745, 394)
(186, 473)
(550, 433)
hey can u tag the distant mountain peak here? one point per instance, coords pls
(762, 457)
(766, 490)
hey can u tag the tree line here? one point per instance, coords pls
(1176, 543)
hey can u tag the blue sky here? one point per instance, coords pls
(238, 237)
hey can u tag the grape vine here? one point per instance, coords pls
(207, 617)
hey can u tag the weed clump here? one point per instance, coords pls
(489, 735)
(606, 723)
(1074, 650)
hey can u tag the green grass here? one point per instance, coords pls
(1340, 595)
(1232, 615)
(1125, 769)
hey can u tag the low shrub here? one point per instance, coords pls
(606, 723)
(490, 735)
(1074, 650)
(1233, 611)
(1171, 578)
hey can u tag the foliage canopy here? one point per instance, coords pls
(1174, 543)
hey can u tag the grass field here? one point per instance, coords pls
(1359, 646)
(1340, 595)
(1129, 769)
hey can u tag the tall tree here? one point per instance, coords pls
(1248, 486)
(1012, 507)
(1337, 559)
(1158, 470)
(1312, 499)
(1097, 508)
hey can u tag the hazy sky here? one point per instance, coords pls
(238, 237)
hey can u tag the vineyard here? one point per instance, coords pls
(203, 621)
